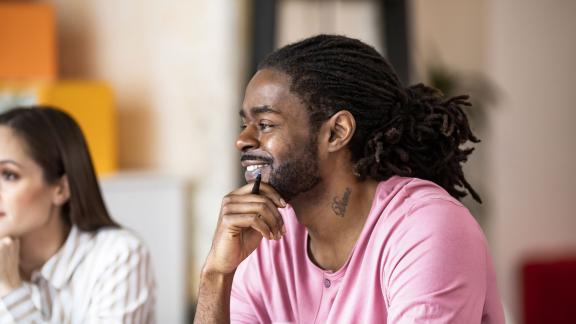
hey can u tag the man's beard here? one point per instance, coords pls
(297, 175)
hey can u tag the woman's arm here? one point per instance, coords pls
(15, 297)
(17, 307)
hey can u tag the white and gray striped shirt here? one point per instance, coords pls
(102, 277)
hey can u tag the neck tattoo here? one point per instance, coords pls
(339, 205)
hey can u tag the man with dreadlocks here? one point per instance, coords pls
(357, 218)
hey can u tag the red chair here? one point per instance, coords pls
(549, 291)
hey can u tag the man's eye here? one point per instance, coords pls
(243, 126)
(265, 126)
(9, 176)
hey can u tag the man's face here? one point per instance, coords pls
(275, 139)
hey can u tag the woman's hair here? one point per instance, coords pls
(414, 132)
(54, 140)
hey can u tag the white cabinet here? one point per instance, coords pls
(155, 208)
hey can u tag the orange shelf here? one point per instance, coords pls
(27, 42)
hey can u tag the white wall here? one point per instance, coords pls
(532, 53)
(452, 32)
(298, 19)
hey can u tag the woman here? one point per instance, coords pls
(62, 258)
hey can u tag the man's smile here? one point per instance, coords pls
(254, 165)
(252, 171)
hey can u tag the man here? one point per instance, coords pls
(357, 219)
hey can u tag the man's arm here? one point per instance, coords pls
(438, 268)
(214, 298)
(245, 218)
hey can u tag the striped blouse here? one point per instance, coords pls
(102, 277)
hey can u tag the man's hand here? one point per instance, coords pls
(9, 262)
(244, 220)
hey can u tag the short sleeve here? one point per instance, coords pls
(436, 269)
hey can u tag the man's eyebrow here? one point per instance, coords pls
(260, 110)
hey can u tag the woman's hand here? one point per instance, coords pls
(9, 261)
(245, 219)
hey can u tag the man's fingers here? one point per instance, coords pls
(254, 221)
(255, 210)
(253, 204)
(265, 190)
(256, 204)
(266, 211)
(269, 191)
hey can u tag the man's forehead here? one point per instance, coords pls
(265, 95)
(269, 92)
(266, 90)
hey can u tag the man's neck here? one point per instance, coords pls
(334, 214)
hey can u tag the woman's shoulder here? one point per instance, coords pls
(89, 255)
(115, 242)
(119, 234)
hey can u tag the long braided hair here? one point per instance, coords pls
(413, 132)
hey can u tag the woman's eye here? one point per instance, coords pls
(9, 176)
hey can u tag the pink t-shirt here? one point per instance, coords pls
(421, 258)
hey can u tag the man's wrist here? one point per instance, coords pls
(212, 275)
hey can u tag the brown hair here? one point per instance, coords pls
(54, 140)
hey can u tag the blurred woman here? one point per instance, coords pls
(62, 258)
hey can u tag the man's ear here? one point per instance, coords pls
(61, 191)
(341, 127)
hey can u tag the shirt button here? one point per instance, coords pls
(327, 283)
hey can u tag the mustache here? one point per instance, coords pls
(253, 157)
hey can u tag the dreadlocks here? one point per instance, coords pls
(413, 132)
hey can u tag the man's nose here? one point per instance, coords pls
(247, 139)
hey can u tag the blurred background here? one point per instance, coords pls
(157, 85)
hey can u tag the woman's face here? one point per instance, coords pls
(27, 202)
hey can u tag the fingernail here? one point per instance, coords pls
(282, 202)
